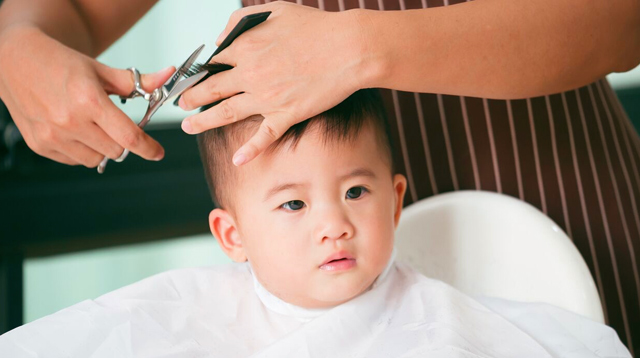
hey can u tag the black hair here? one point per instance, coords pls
(342, 122)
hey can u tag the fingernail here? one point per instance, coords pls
(159, 157)
(239, 159)
(165, 69)
(182, 104)
(186, 126)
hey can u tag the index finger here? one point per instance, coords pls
(270, 130)
(126, 133)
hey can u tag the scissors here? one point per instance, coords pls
(182, 79)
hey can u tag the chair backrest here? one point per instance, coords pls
(488, 244)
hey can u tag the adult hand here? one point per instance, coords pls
(280, 73)
(59, 100)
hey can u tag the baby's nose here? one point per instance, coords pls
(334, 225)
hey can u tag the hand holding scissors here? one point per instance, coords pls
(182, 79)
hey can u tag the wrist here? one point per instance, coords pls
(13, 36)
(364, 48)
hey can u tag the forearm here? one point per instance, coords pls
(500, 48)
(87, 26)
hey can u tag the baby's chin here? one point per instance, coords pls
(333, 296)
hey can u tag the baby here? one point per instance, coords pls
(311, 225)
(315, 215)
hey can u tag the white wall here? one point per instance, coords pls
(625, 80)
(53, 283)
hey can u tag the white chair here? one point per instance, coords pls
(489, 244)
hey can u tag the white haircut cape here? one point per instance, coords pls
(222, 311)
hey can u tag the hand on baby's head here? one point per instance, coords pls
(315, 214)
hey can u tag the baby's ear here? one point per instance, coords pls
(399, 188)
(223, 227)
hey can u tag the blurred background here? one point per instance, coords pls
(91, 273)
(68, 234)
(47, 233)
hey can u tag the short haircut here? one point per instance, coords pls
(340, 123)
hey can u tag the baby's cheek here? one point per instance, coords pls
(378, 223)
(272, 240)
(379, 242)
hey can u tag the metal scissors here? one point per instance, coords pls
(184, 78)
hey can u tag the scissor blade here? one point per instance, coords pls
(180, 71)
(185, 84)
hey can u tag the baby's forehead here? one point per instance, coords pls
(314, 154)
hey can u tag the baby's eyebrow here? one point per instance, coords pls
(278, 188)
(359, 172)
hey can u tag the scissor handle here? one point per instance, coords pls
(138, 91)
(151, 110)
(155, 98)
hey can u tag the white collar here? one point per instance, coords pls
(275, 304)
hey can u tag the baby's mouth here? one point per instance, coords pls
(340, 261)
(339, 265)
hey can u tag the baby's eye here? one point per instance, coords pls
(293, 205)
(356, 192)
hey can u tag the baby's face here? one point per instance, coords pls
(316, 222)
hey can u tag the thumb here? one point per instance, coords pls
(121, 82)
